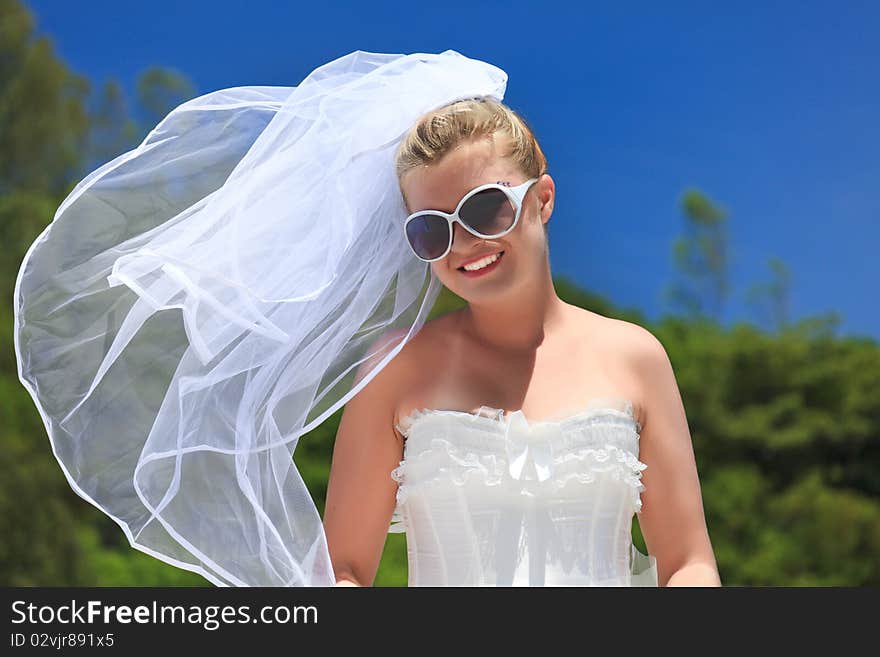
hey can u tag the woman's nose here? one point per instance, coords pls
(460, 236)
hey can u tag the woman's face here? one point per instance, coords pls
(442, 185)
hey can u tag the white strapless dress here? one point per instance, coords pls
(491, 499)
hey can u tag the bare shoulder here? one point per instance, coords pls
(382, 393)
(628, 338)
(638, 344)
(651, 369)
(407, 355)
(638, 355)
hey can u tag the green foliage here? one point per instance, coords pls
(701, 255)
(785, 432)
(772, 298)
(123, 566)
(112, 129)
(159, 90)
(785, 426)
(43, 121)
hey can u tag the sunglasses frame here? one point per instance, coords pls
(514, 194)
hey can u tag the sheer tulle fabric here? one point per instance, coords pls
(200, 302)
(493, 499)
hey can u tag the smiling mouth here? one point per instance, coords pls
(500, 253)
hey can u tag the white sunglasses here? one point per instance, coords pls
(487, 211)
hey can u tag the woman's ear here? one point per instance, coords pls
(546, 196)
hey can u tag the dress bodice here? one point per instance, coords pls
(491, 499)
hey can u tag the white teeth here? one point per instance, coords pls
(479, 264)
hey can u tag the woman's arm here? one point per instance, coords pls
(361, 495)
(345, 581)
(672, 518)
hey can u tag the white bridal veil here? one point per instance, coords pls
(199, 303)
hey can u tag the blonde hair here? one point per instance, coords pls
(438, 132)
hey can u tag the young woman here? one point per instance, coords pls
(507, 435)
(258, 262)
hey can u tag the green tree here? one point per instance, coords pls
(771, 299)
(701, 257)
(113, 126)
(48, 136)
(43, 121)
(43, 125)
(159, 90)
(112, 129)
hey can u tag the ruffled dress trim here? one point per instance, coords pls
(613, 406)
(446, 460)
(581, 461)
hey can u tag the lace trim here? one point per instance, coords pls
(498, 417)
(487, 469)
(583, 466)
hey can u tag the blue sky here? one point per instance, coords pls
(771, 109)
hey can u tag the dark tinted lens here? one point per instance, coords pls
(428, 234)
(488, 212)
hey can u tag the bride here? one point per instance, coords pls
(593, 391)
(266, 257)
